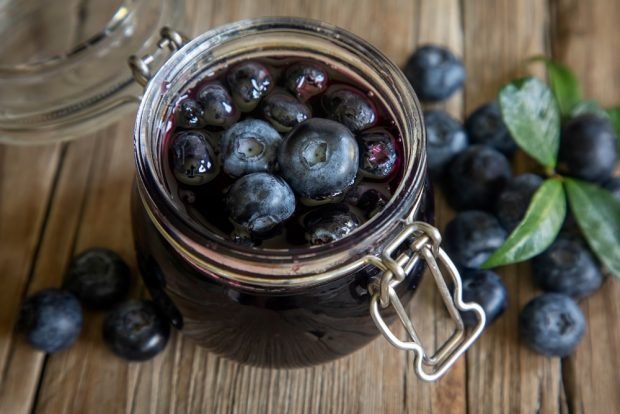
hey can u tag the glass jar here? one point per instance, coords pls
(63, 69)
(297, 306)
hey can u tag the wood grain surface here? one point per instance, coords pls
(58, 199)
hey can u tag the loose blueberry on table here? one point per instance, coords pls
(98, 277)
(567, 267)
(552, 324)
(485, 288)
(51, 320)
(471, 237)
(445, 137)
(514, 199)
(281, 152)
(588, 148)
(475, 177)
(135, 330)
(434, 72)
(485, 127)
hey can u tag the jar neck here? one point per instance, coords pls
(276, 268)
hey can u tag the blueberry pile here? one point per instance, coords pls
(282, 152)
(471, 163)
(97, 279)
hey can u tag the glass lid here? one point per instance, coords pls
(63, 63)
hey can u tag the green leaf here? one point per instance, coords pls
(598, 214)
(564, 84)
(537, 230)
(531, 114)
(588, 107)
(614, 115)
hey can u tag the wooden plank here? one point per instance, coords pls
(581, 37)
(27, 176)
(503, 375)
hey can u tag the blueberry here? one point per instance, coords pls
(567, 267)
(98, 277)
(485, 126)
(588, 148)
(350, 107)
(249, 82)
(319, 160)
(434, 72)
(189, 114)
(471, 237)
(219, 109)
(552, 324)
(514, 199)
(371, 202)
(485, 288)
(194, 161)
(136, 330)
(329, 223)
(377, 153)
(249, 146)
(613, 186)
(474, 178)
(284, 111)
(258, 202)
(51, 320)
(305, 80)
(445, 137)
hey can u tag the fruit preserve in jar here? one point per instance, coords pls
(281, 206)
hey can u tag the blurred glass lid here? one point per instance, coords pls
(63, 63)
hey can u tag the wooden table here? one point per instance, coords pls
(59, 199)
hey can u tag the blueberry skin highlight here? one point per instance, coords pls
(98, 277)
(319, 160)
(445, 137)
(552, 324)
(567, 267)
(487, 289)
(471, 237)
(189, 114)
(350, 107)
(283, 110)
(51, 320)
(514, 199)
(249, 82)
(588, 148)
(249, 146)
(474, 178)
(136, 330)
(193, 159)
(329, 223)
(485, 126)
(434, 73)
(377, 154)
(305, 80)
(258, 202)
(219, 108)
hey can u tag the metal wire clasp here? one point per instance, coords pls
(421, 241)
(140, 66)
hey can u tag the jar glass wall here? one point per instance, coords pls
(274, 307)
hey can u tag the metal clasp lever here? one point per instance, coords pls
(140, 66)
(423, 242)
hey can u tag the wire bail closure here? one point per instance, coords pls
(140, 66)
(422, 242)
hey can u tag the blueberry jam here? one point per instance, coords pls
(306, 135)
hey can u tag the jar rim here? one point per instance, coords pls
(279, 267)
